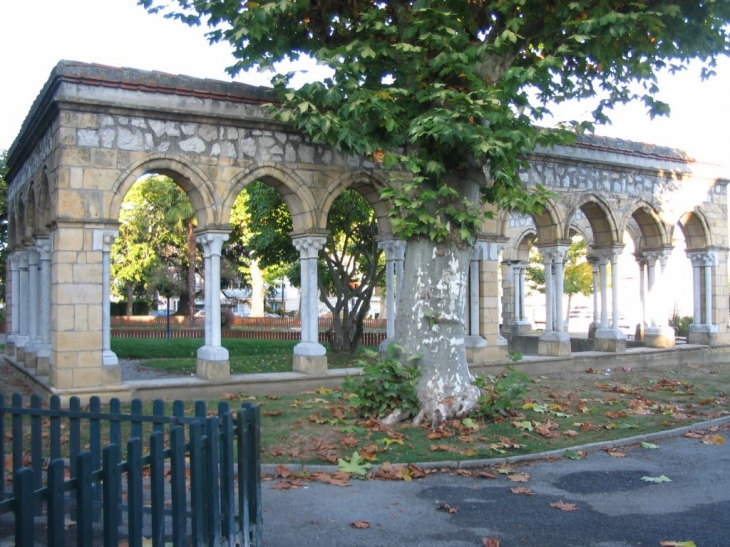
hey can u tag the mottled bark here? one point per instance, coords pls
(431, 323)
(258, 290)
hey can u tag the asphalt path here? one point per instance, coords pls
(614, 507)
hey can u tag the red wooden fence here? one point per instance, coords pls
(255, 322)
(368, 338)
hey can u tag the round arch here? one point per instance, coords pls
(187, 177)
(367, 185)
(653, 233)
(598, 214)
(293, 190)
(696, 230)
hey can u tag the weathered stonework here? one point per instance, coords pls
(93, 131)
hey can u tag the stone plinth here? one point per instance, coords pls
(659, 337)
(313, 365)
(213, 364)
(610, 341)
(706, 335)
(554, 344)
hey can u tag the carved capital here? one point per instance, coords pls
(44, 246)
(395, 249)
(103, 240)
(308, 246)
(212, 243)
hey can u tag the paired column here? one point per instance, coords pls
(395, 250)
(213, 359)
(309, 354)
(594, 261)
(14, 259)
(702, 330)
(609, 336)
(554, 341)
(23, 305)
(657, 334)
(474, 338)
(520, 324)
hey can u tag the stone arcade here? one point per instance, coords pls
(94, 130)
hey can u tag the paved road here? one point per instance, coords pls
(615, 508)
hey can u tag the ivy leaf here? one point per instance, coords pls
(649, 446)
(573, 455)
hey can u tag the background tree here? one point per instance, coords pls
(348, 264)
(151, 238)
(577, 273)
(444, 92)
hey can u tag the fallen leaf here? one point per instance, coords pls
(573, 455)
(519, 477)
(564, 506)
(570, 433)
(272, 413)
(693, 435)
(678, 544)
(713, 439)
(446, 507)
(616, 454)
(490, 542)
(649, 446)
(522, 490)
(361, 524)
(660, 478)
(283, 472)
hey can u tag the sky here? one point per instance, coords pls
(36, 34)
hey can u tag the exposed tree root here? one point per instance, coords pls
(438, 410)
(396, 417)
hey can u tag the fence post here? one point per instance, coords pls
(23, 493)
(157, 493)
(244, 524)
(2, 446)
(134, 491)
(254, 477)
(177, 484)
(17, 433)
(55, 428)
(56, 504)
(112, 494)
(84, 501)
(196, 483)
(212, 520)
(228, 503)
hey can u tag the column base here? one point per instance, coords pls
(610, 341)
(109, 358)
(10, 345)
(659, 337)
(475, 349)
(554, 344)
(310, 349)
(312, 365)
(20, 343)
(640, 332)
(43, 360)
(520, 327)
(702, 334)
(383, 347)
(592, 328)
(111, 375)
(213, 364)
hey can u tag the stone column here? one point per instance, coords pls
(641, 326)
(33, 312)
(14, 260)
(43, 352)
(704, 331)
(394, 255)
(309, 355)
(610, 338)
(603, 273)
(111, 372)
(474, 341)
(213, 359)
(658, 334)
(520, 324)
(554, 341)
(23, 306)
(593, 260)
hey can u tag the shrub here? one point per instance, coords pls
(385, 386)
(500, 393)
(681, 323)
(227, 318)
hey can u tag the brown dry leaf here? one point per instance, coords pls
(443, 448)
(361, 524)
(564, 506)
(446, 507)
(693, 435)
(616, 454)
(367, 455)
(349, 440)
(490, 542)
(519, 477)
(418, 472)
(228, 397)
(615, 415)
(283, 472)
(570, 433)
(466, 439)
(272, 413)
(389, 472)
(326, 478)
(338, 412)
(273, 397)
(522, 490)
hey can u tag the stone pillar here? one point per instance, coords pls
(508, 295)
(33, 312)
(474, 342)
(554, 342)
(641, 326)
(704, 331)
(14, 260)
(111, 373)
(610, 338)
(395, 250)
(23, 306)
(593, 260)
(520, 324)
(487, 258)
(213, 360)
(309, 355)
(658, 333)
(43, 351)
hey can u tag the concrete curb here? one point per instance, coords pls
(270, 468)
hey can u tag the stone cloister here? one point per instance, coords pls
(94, 130)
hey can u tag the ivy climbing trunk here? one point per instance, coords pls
(431, 315)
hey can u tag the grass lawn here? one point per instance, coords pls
(246, 356)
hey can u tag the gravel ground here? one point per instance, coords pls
(134, 370)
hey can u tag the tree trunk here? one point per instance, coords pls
(129, 289)
(258, 290)
(431, 316)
